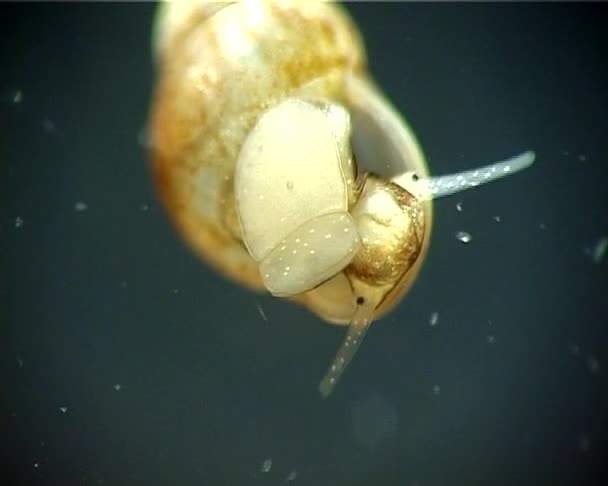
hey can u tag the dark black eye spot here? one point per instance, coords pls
(415, 177)
(360, 300)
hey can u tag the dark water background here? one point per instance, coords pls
(169, 374)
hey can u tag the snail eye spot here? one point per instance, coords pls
(360, 300)
(415, 177)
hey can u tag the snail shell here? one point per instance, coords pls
(281, 163)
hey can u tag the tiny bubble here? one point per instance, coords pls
(80, 206)
(463, 237)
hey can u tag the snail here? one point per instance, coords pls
(283, 165)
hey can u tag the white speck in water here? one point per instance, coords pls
(36, 465)
(436, 390)
(542, 226)
(63, 409)
(18, 97)
(117, 387)
(498, 219)
(434, 319)
(463, 237)
(374, 420)
(18, 222)
(491, 339)
(593, 364)
(80, 206)
(459, 206)
(48, 125)
(144, 207)
(582, 157)
(175, 291)
(266, 465)
(293, 474)
(19, 361)
(261, 312)
(574, 349)
(123, 284)
(599, 249)
(584, 442)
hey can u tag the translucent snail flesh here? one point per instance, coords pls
(282, 164)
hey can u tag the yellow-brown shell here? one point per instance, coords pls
(220, 67)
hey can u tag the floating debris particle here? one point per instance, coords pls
(434, 319)
(374, 420)
(18, 97)
(599, 250)
(175, 291)
(117, 387)
(261, 312)
(542, 226)
(491, 339)
(48, 125)
(36, 465)
(575, 349)
(19, 361)
(593, 364)
(293, 474)
(582, 157)
(63, 409)
(584, 442)
(18, 222)
(80, 206)
(266, 465)
(436, 390)
(463, 237)
(459, 206)
(144, 207)
(498, 219)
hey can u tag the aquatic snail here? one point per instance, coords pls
(282, 164)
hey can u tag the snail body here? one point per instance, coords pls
(282, 164)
